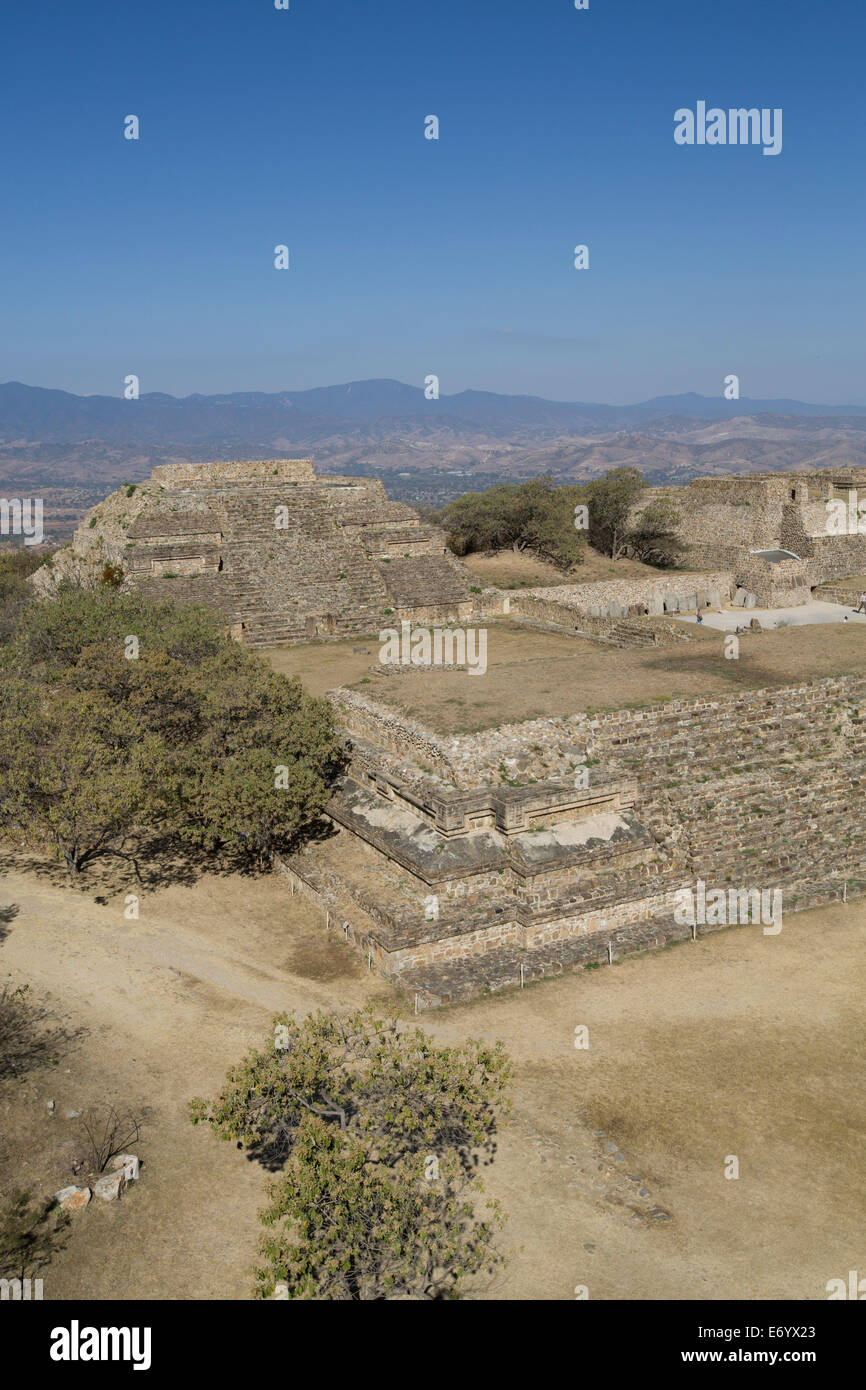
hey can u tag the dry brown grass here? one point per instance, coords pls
(739, 1044)
(533, 674)
(736, 1044)
(506, 569)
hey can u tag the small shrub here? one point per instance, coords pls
(112, 576)
(107, 1134)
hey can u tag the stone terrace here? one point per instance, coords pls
(761, 789)
(284, 555)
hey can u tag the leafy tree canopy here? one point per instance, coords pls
(380, 1132)
(118, 715)
(537, 514)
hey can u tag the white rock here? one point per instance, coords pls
(110, 1185)
(129, 1163)
(71, 1198)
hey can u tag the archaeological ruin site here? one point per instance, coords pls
(468, 859)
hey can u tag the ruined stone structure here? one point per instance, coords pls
(729, 522)
(470, 863)
(476, 862)
(285, 555)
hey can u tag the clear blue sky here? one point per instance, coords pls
(409, 256)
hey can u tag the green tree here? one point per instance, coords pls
(121, 716)
(610, 500)
(654, 537)
(536, 515)
(75, 770)
(365, 1102)
(350, 1228)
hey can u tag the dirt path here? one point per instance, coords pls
(169, 1002)
(612, 1169)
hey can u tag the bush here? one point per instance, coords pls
(16, 565)
(379, 1133)
(195, 736)
(537, 515)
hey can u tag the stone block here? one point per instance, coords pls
(129, 1163)
(672, 603)
(110, 1185)
(714, 598)
(739, 598)
(72, 1198)
(749, 601)
(655, 606)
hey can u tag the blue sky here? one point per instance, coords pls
(410, 256)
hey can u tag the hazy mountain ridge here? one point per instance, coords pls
(50, 438)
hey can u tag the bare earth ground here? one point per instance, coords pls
(611, 1169)
(532, 674)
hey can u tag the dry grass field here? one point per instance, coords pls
(532, 674)
(506, 569)
(611, 1169)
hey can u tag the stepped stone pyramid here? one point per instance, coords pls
(455, 881)
(285, 555)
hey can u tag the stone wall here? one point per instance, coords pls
(378, 724)
(758, 790)
(619, 598)
(283, 555)
(723, 520)
(776, 584)
(176, 476)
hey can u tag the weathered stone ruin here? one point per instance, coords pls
(778, 535)
(468, 864)
(462, 864)
(285, 555)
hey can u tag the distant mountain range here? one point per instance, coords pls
(386, 428)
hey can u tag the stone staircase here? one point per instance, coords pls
(331, 563)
